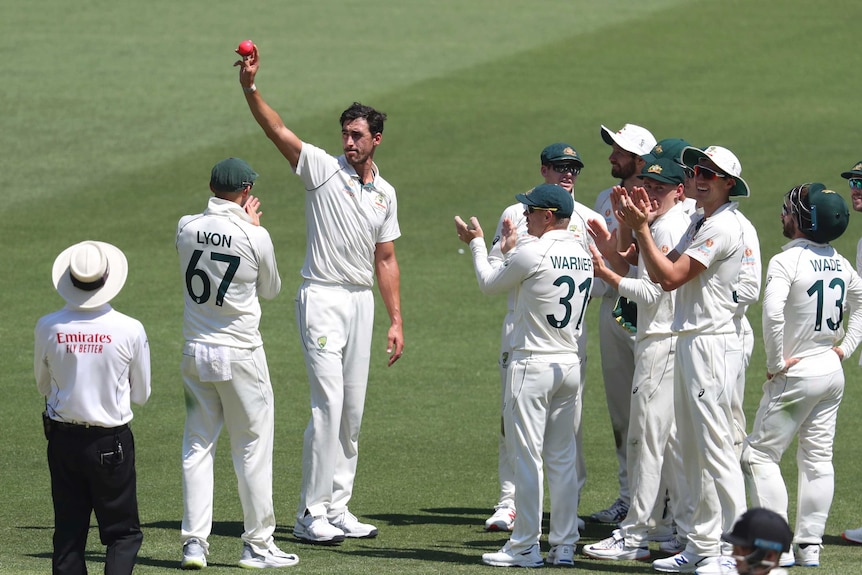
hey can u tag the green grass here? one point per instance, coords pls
(113, 115)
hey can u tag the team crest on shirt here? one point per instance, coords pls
(665, 249)
(321, 342)
(709, 243)
(380, 201)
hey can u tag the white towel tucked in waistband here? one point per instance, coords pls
(213, 362)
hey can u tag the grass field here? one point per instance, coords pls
(114, 113)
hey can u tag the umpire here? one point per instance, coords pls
(90, 363)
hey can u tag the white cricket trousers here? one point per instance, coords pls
(245, 406)
(505, 466)
(335, 325)
(618, 367)
(539, 417)
(790, 405)
(650, 426)
(705, 374)
(746, 335)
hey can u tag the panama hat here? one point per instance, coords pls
(89, 274)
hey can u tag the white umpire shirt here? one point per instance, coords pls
(809, 286)
(553, 275)
(345, 220)
(226, 262)
(91, 365)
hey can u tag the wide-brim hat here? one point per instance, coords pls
(725, 160)
(631, 138)
(89, 274)
(854, 172)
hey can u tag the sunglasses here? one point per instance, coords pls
(563, 168)
(688, 170)
(531, 209)
(856, 183)
(707, 174)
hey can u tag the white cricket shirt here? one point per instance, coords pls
(344, 219)
(226, 262)
(91, 365)
(707, 303)
(809, 288)
(656, 306)
(553, 275)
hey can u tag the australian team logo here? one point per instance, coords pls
(321, 342)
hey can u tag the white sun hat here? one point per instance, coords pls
(725, 160)
(89, 274)
(631, 138)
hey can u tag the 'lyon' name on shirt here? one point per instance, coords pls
(572, 263)
(213, 239)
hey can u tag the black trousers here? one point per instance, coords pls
(93, 470)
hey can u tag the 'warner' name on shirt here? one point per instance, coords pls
(572, 263)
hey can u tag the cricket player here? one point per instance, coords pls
(652, 416)
(758, 538)
(560, 165)
(704, 269)
(854, 177)
(553, 275)
(351, 218)
(91, 363)
(809, 287)
(617, 343)
(227, 261)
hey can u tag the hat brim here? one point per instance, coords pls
(118, 270)
(610, 137)
(567, 159)
(691, 155)
(851, 174)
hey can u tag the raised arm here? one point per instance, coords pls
(285, 140)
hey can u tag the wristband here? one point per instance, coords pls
(250, 90)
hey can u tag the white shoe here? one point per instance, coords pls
(808, 556)
(853, 536)
(673, 546)
(723, 565)
(787, 559)
(194, 555)
(615, 549)
(352, 527)
(506, 558)
(503, 519)
(613, 514)
(317, 530)
(684, 562)
(561, 555)
(272, 559)
(582, 526)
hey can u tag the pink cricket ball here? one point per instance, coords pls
(245, 48)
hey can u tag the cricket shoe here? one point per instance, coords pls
(353, 527)
(787, 559)
(503, 519)
(317, 530)
(613, 514)
(685, 562)
(272, 558)
(853, 536)
(505, 557)
(194, 555)
(723, 565)
(561, 555)
(674, 546)
(582, 526)
(808, 555)
(615, 549)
